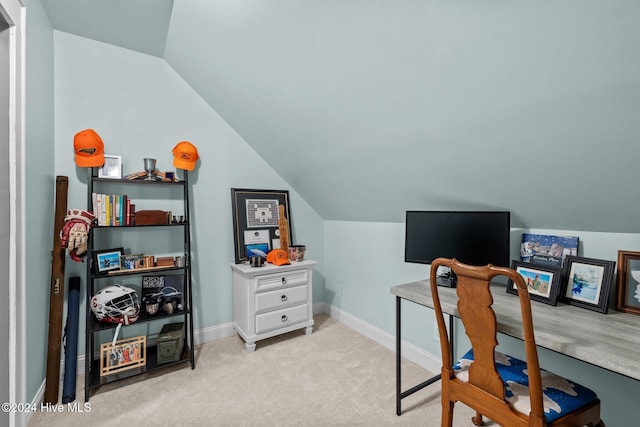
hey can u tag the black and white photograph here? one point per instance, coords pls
(112, 168)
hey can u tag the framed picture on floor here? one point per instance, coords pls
(256, 215)
(587, 282)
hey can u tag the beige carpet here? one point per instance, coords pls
(333, 377)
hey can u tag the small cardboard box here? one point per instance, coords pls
(170, 342)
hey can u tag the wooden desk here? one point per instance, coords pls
(610, 341)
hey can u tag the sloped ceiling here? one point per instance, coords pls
(369, 108)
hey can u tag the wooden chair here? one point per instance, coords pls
(506, 390)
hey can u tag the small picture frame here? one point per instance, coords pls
(132, 261)
(107, 260)
(587, 283)
(125, 354)
(112, 168)
(628, 286)
(543, 281)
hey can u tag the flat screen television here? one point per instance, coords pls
(472, 237)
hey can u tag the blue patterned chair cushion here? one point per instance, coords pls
(560, 396)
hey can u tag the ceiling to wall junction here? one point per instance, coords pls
(370, 108)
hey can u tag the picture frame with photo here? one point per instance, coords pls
(587, 282)
(543, 281)
(628, 282)
(131, 261)
(112, 168)
(547, 249)
(123, 355)
(106, 260)
(255, 220)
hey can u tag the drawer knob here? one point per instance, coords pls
(284, 280)
(284, 318)
(283, 298)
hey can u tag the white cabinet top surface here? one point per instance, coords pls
(268, 268)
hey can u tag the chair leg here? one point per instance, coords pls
(447, 413)
(477, 420)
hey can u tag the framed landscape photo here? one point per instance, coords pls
(587, 282)
(543, 281)
(106, 260)
(256, 215)
(628, 287)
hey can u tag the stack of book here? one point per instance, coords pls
(113, 210)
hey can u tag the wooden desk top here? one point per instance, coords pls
(610, 341)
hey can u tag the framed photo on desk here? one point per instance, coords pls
(587, 282)
(543, 281)
(628, 287)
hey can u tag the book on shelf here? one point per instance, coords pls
(162, 293)
(112, 209)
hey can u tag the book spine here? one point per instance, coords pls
(107, 210)
(97, 209)
(118, 216)
(94, 198)
(103, 211)
(132, 214)
(125, 210)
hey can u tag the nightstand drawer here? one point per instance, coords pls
(281, 280)
(282, 298)
(281, 318)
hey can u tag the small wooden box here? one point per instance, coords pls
(167, 261)
(155, 217)
(170, 342)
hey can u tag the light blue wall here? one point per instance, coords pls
(142, 108)
(39, 196)
(365, 259)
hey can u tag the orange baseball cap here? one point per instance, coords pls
(89, 149)
(278, 257)
(185, 155)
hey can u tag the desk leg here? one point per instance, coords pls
(399, 393)
(398, 360)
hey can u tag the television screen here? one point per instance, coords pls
(472, 237)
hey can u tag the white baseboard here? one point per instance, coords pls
(213, 333)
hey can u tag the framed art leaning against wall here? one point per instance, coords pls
(628, 287)
(587, 282)
(543, 281)
(255, 221)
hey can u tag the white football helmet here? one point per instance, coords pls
(116, 304)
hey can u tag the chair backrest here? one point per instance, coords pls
(479, 320)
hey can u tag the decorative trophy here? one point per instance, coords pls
(150, 167)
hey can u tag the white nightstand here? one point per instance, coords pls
(272, 300)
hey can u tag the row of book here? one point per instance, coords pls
(113, 210)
